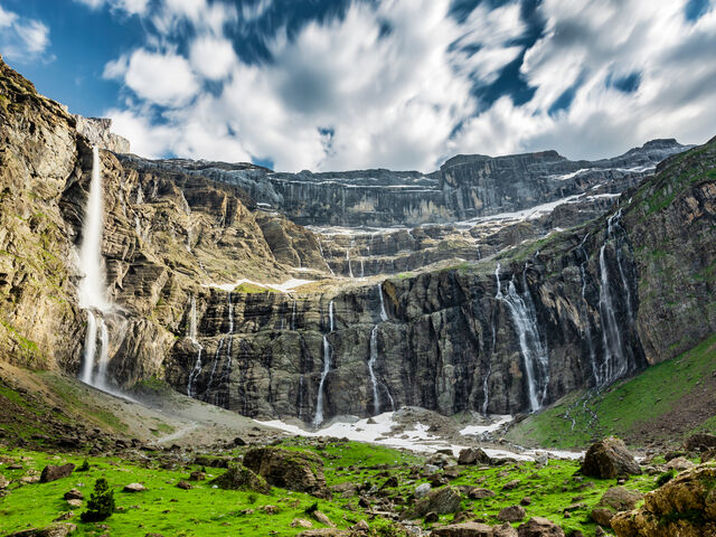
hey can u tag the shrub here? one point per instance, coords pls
(84, 467)
(101, 503)
(664, 478)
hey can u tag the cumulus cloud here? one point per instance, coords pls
(22, 39)
(158, 78)
(393, 83)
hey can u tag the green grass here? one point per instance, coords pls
(625, 407)
(205, 511)
(163, 508)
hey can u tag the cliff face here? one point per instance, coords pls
(465, 187)
(576, 308)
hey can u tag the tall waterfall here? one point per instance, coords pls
(383, 313)
(92, 287)
(533, 350)
(585, 310)
(224, 346)
(371, 364)
(614, 364)
(318, 418)
(190, 387)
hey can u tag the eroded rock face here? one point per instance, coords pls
(685, 506)
(99, 132)
(609, 458)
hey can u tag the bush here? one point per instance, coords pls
(101, 503)
(664, 478)
(84, 467)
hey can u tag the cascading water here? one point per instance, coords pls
(371, 365)
(318, 418)
(585, 306)
(225, 343)
(383, 313)
(348, 259)
(92, 287)
(191, 388)
(533, 350)
(614, 364)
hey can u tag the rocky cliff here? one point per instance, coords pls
(498, 314)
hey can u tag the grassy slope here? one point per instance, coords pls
(679, 394)
(204, 511)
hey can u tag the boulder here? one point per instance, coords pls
(325, 532)
(602, 516)
(422, 490)
(679, 464)
(197, 476)
(74, 503)
(700, 442)
(443, 501)
(685, 506)
(73, 494)
(239, 477)
(184, 485)
(301, 523)
(134, 487)
(52, 472)
(504, 531)
(4, 482)
(608, 459)
(322, 518)
(292, 470)
(473, 456)
(620, 498)
(539, 527)
(513, 513)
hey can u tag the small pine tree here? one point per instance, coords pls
(101, 503)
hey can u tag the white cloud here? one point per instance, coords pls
(22, 39)
(591, 44)
(404, 98)
(212, 57)
(163, 79)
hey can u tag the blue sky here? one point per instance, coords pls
(345, 84)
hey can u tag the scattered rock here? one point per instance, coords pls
(709, 455)
(292, 470)
(4, 482)
(513, 513)
(239, 477)
(270, 509)
(52, 472)
(422, 490)
(74, 503)
(443, 501)
(325, 532)
(197, 476)
(64, 516)
(464, 529)
(431, 517)
(506, 530)
(480, 494)
(301, 523)
(391, 482)
(539, 527)
(134, 487)
(184, 485)
(700, 442)
(55, 530)
(512, 484)
(321, 518)
(685, 506)
(620, 498)
(473, 456)
(526, 501)
(679, 464)
(602, 516)
(73, 494)
(608, 459)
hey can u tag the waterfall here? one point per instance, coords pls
(318, 418)
(225, 342)
(293, 315)
(614, 365)
(323, 256)
(190, 388)
(383, 313)
(92, 287)
(371, 365)
(348, 258)
(533, 351)
(585, 307)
